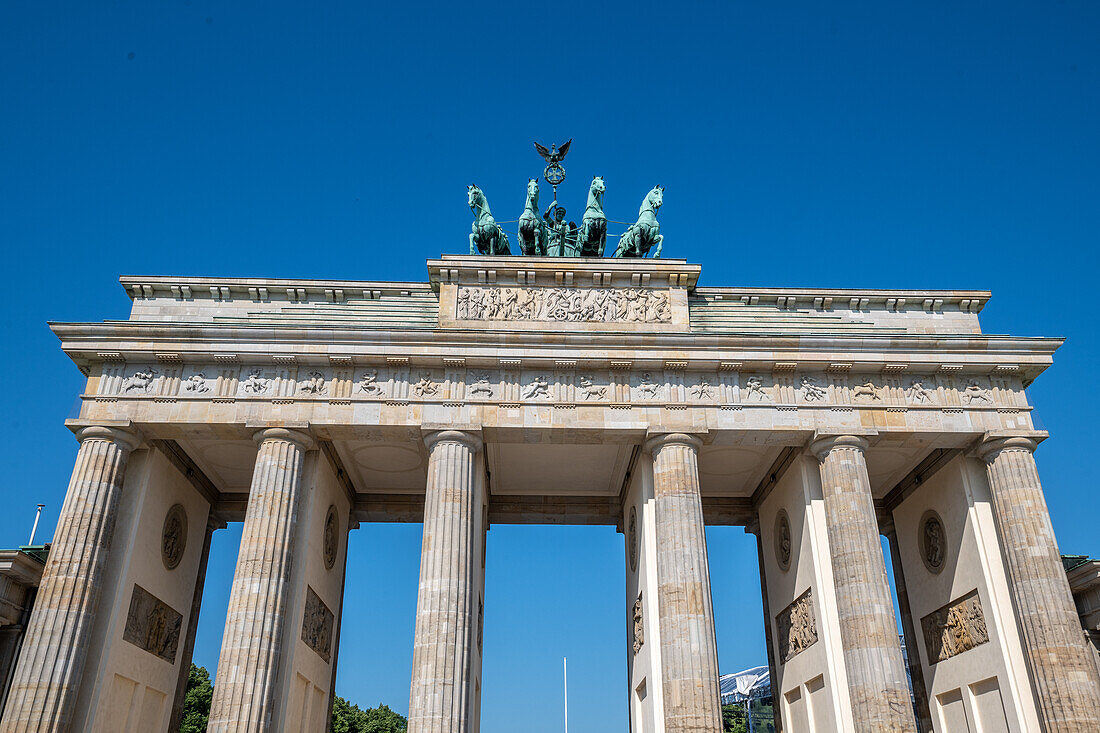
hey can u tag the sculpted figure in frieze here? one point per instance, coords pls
(538, 387)
(647, 388)
(425, 386)
(917, 393)
(314, 384)
(975, 391)
(639, 625)
(702, 390)
(256, 383)
(955, 628)
(867, 389)
(196, 383)
(481, 385)
(368, 383)
(754, 388)
(140, 381)
(590, 391)
(811, 390)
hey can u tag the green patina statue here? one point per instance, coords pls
(645, 233)
(561, 239)
(532, 229)
(593, 234)
(486, 236)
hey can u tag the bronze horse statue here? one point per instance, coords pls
(593, 232)
(644, 234)
(532, 229)
(486, 236)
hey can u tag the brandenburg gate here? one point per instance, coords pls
(560, 390)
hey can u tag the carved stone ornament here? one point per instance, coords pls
(174, 537)
(639, 625)
(153, 625)
(797, 627)
(139, 381)
(632, 538)
(957, 627)
(600, 305)
(783, 541)
(196, 383)
(932, 541)
(317, 624)
(314, 384)
(331, 540)
(754, 389)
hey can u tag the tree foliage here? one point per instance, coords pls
(196, 703)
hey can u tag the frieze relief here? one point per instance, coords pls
(599, 305)
(317, 623)
(955, 628)
(152, 625)
(400, 382)
(796, 627)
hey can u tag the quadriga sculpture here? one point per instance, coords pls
(593, 234)
(644, 234)
(486, 236)
(532, 230)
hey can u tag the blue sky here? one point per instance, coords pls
(893, 145)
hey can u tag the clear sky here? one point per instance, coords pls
(887, 145)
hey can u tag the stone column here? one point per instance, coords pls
(440, 697)
(246, 686)
(51, 665)
(868, 628)
(689, 652)
(1067, 686)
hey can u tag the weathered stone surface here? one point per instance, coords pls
(868, 628)
(447, 610)
(51, 665)
(955, 628)
(796, 626)
(317, 622)
(153, 625)
(1066, 682)
(689, 653)
(244, 697)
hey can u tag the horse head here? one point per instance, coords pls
(597, 185)
(474, 196)
(533, 190)
(656, 197)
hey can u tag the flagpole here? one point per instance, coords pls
(565, 688)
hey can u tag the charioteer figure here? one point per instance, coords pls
(562, 235)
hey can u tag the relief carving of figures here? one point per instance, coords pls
(917, 392)
(314, 384)
(196, 383)
(797, 627)
(812, 391)
(140, 381)
(867, 389)
(702, 391)
(173, 537)
(639, 625)
(317, 624)
(647, 387)
(481, 385)
(425, 387)
(606, 305)
(933, 542)
(975, 391)
(957, 627)
(152, 625)
(590, 390)
(538, 387)
(256, 382)
(754, 387)
(368, 383)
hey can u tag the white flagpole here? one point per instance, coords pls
(565, 677)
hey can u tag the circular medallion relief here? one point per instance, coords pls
(632, 538)
(933, 541)
(173, 540)
(329, 541)
(783, 540)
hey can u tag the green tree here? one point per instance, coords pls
(196, 703)
(733, 718)
(349, 718)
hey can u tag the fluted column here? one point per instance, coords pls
(51, 665)
(689, 652)
(1067, 686)
(868, 627)
(246, 684)
(440, 699)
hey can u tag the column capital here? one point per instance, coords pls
(995, 441)
(823, 444)
(660, 440)
(468, 438)
(300, 438)
(126, 438)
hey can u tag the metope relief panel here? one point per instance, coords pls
(796, 627)
(371, 383)
(598, 305)
(152, 625)
(647, 387)
(955, 628)
(256, 381)
(317, 622)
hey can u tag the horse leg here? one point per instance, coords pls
(660, 243)
(473, 246)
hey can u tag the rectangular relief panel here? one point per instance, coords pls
(796, 627)
(955, 628)
(317, 622)
(153, 625)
